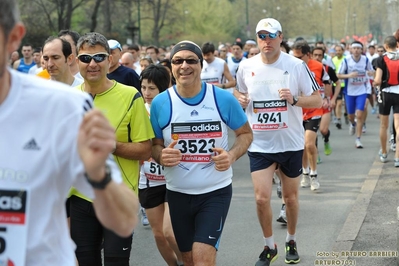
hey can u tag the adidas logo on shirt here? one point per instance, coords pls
(31, 145)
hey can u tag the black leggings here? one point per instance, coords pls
(90, 237)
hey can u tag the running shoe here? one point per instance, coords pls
(352, 129)
(383, 157)
(346, 119)
(318, 159)
(283, 217)
(267, 256)
(291, 254)
(279, 194)
(392, 143)
(305, 182)
(393, 147)
(396, 162)
(327, 148)
(314, 182)
(338, 124)
(364, 129)
(359, 145)
(144, 218)
(276, 180)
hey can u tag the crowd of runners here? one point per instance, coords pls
(159, 147)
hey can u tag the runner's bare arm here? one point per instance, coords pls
(133, 150)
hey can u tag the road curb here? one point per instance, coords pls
(354, 221)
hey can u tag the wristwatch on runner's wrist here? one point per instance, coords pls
(295, 100)
(104, 182)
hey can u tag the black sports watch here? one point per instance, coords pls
(103, 183)
(295, 100)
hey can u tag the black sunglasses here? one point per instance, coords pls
(98, 58)
(300, 57)
(380, 51)
(180, 61)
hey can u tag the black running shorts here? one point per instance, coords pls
(199, 218)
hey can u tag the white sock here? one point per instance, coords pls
(313, 172)
(269, 241)
(290, 237)
(305, 170)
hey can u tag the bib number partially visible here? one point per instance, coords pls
(13, 227)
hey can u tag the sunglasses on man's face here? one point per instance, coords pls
(263, 36)
(180, 61)
(380, 51)
(98, 58)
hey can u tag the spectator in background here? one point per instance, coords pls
(223, 52)
(37, 58)
(166, 63)
(120, 73)
(234, 60)
(134, 49)
(215, 70)
(153, 52)
(145, 62)
(72, 37)
(284, 47)
(371, 54)
(127, 60)
(253, 51)
(248, 45)
(57, 55)
(26, 62)
(14, 57)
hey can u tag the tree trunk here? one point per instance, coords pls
(94, 16)
(107, 19)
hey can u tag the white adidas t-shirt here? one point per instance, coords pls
(276, 125)
(39, 163)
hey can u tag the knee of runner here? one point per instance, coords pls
(291, 200)
(262, 200)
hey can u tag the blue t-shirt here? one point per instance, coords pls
(229, 109)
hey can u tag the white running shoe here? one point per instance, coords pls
(364, 129)
(283, 217)
(314, 182)
(392, 143)
(393, 147)
(305, 182)
(144, 219)
(359, 145)
(396, 162)
(383, 157)
(352, 129)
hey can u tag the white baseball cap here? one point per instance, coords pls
(114, 44)
(269, 24)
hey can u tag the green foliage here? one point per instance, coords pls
(168, 21)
